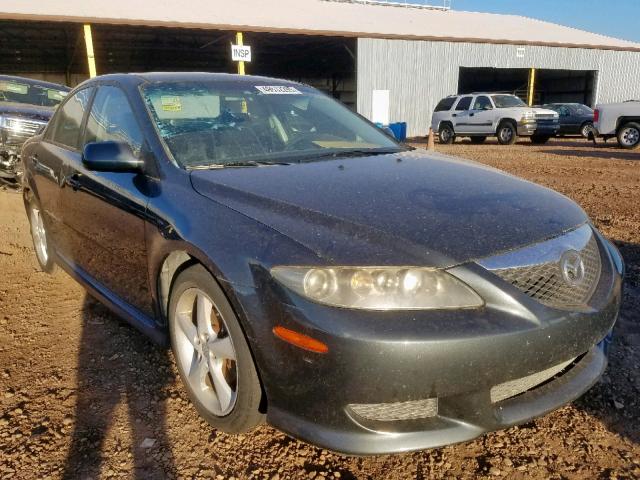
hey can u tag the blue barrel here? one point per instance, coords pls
(399, 130)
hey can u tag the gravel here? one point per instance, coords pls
(83, 395)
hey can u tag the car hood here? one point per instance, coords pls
(34, 112)
(545, 111)
(410, 208)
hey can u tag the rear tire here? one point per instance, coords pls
(507, 133)
(586, 128)
(40, 236)
(446, 134)
(478, 140)
(629, 135)
(212, 354)
(540, 139)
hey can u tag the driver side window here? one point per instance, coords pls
(112, 119)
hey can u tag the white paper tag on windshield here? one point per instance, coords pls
(278, 90)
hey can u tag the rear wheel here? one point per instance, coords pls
(540, 139)
(629, 135)
(507, 133)
(478, 140)
(586, 129)
(446, 134)
(212, 355)
(40, 237)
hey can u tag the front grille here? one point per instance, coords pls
(541, 271)
(520, 385)
(545, 116)
(24, 127)
(391, 412)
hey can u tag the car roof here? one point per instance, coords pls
(33, 81)
(153, 77)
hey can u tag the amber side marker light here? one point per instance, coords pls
(300, 340)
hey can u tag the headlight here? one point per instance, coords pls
(379, 288)
(528, 117)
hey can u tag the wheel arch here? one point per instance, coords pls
(178, 260)
(622, 121)
(506, 119)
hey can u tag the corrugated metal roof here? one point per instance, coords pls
(317, 17)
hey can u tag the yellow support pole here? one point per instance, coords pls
(532, 86)
(240, 64)
(91, 59)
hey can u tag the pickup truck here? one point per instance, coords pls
(620, 120)
(482, 115)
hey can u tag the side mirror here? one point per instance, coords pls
(111, 157)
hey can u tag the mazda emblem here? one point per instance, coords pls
(572, 268)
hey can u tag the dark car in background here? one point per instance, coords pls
(26, 106)
(575, 118)
(307, 269)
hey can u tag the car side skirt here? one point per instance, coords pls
(128, 312)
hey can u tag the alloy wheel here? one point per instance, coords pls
(506, 134)
(39, 235)
(630, 136)
(205, 352)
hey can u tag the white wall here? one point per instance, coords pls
(419, 73)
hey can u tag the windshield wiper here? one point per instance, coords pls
(361, 152)
(238, 164)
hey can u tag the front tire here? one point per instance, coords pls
(40, 236)
(212, 354)
(629, 135)
(540, 139)
(446, 134)
(507, 133)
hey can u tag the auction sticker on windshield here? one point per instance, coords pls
(278, 90)
(170, 103)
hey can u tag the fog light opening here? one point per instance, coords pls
(300, 340)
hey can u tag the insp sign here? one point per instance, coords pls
(241, 53)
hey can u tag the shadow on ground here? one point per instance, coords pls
(121, 381)
(614, 400)
(600, 152)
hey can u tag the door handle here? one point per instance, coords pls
(471, 114)
(73, 181)
(454, 115)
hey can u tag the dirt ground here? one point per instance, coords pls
(83, 395)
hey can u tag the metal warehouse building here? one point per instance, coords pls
(363, 52)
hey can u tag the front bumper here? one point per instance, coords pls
(457, 357)
(527, 129)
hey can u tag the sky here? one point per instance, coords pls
(616, 18)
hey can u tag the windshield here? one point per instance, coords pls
(235, 123)
(31, 93)
(507, 101)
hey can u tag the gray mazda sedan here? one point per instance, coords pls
(309, 271)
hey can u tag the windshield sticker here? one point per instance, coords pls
(20, 88)
(278, 90)
(170, 103)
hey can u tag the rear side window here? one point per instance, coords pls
(445, 104)
(65, 130)
(463, 104)
(112, 119)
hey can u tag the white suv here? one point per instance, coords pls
(480, 115)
